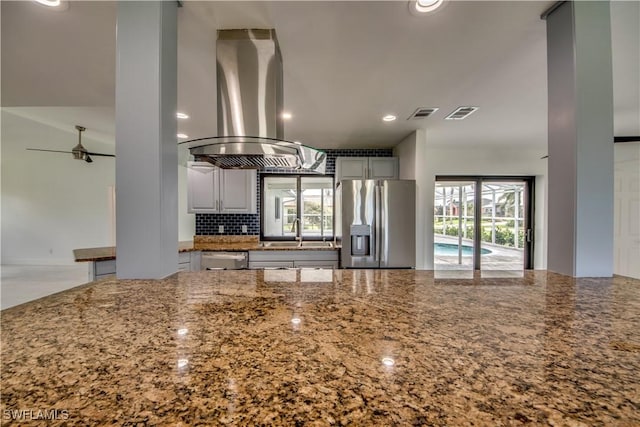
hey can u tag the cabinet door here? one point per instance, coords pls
(202, 194)
(238, 191)
(351, 168)
(383, 168)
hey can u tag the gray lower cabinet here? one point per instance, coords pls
(293, 259)
(270, 264)
(189, 261)
(101, 269)
(316, 264)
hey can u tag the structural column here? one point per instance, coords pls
(580, 240)
(146, 147)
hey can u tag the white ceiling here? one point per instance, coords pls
(346, 64)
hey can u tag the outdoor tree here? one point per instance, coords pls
(312, 215)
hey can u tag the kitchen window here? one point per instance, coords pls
(291, 199)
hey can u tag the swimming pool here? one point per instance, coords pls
(451, 249)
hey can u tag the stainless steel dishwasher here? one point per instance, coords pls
(224, 260)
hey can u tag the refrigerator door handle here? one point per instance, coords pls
(377, 222)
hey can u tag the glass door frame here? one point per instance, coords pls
(529, 197)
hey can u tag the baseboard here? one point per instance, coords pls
(37, 261)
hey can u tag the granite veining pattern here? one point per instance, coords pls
(325, 347)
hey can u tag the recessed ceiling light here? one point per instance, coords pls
(426, 6)
(389, 118)
(286, 115)
(182, 135)
(182, 115)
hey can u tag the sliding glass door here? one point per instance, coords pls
(503, 225)
(454, 225)
(483, 223)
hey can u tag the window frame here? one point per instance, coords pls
(300, 207)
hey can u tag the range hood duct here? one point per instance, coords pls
(250, 124)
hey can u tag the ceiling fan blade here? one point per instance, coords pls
(78, 152)
(50, 151)
(100, 154)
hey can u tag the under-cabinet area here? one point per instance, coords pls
(293, 259)
(103, 268)
(215, 190)
(216, 260)
(225, 253)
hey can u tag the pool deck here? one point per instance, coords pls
(500, 258)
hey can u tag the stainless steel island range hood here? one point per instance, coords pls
(250, 103)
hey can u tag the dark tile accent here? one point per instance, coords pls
(207, 224)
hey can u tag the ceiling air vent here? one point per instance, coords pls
(461, 113)
(422, 113)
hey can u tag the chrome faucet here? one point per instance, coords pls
(296, 223)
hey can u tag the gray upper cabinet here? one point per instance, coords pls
(351, 168)
(203, 191)
(238, 190)
(215, 190)
(384, 168)
(366, 168)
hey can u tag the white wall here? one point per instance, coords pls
(626, 237)
(406, 153)
(52, 204)
(409, 150)
(433, 160)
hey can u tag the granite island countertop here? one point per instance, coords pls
(328, 347)
(199, 243)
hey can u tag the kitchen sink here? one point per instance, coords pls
(317, 244)
(279, 244)
(309, 244)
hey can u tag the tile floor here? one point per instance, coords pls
(23, 283)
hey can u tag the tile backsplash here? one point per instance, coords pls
(208, 224)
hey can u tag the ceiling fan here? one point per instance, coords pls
(78, 152)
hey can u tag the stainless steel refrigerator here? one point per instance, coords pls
(377, 223)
